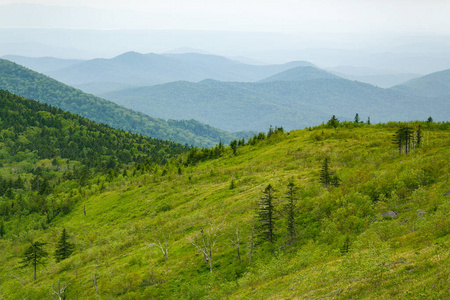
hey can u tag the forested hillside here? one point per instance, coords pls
(43, 147)
(32, 85)
(432, 85)
(342, 210)
(292, 103)
(136, 69)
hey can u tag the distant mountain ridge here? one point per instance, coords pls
(134, 69)
(30, 84)
(432, 85)
(42, 64)
(300, 74)
(291, 104)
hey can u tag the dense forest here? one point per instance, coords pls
(341, 210)
(43, 147)
(293, 102)
(32, 85)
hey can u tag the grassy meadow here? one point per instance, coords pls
(344, 248)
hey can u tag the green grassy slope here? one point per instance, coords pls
(32, 85)
(43, 148)
(401, 258)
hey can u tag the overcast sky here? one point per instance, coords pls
(285, 16)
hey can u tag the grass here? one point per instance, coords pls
(399, 258)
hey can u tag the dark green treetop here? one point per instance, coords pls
(64, 248)
(34, 255)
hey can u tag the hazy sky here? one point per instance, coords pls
(290, 16)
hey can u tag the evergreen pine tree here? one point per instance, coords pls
(356, 121)
(325, 177)
(418, 135)
(34, 255)
(2, 229)
(266, 215)
(368, 120)
(333, 122)
(402, 139)
(233, 146)
(63, 249)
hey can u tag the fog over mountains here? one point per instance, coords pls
(235, 96)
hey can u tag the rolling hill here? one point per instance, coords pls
(292, 104)
(133, 69)
(300, 74)
(382, 233)
(32, 85)
(432, 85)
(34, 130)
(42, 64)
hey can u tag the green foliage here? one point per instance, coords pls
(328, 177)
(2, 228)
(333, 122)
(63, 248)
(344, 247)
(290, 212)
(252, 106)
(34, 255)
(266, 215)
(32, 85)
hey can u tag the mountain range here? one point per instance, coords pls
(134, 69)
(238, 96)
(32, 85)
(293, 99)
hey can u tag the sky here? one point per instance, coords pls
(282, 16)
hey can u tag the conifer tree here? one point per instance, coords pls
(34, 255)
(327, 177)
(63, 249)
(333, 122)
(266, 215)
(356, 121)
(402, 139)
(2, 229)
(418, 135)
(233, 146)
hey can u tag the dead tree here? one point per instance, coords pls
(164, 247)
(252, 240)
(235, 240)
(205, 243)
(94, 280)
(60, 290)
(18, 279)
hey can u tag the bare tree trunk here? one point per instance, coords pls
(251, 245)
(18, 279)
(60, 290)
(205, 244)
(94, 280)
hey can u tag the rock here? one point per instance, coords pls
(446, 193)
(389, 214)
(421, 212)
